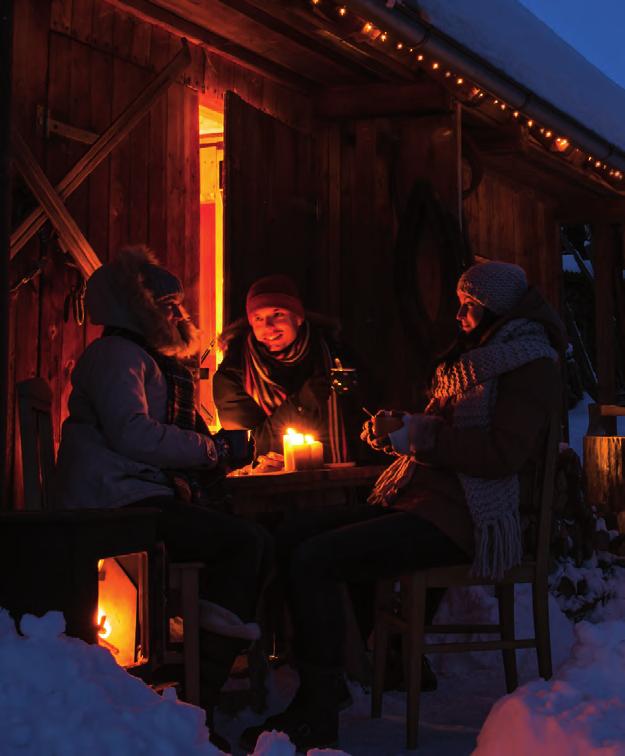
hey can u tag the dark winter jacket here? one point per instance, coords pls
(238, 410)
(116, 441)
(513, 443)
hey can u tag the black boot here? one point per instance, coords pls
(311, 720)
(217, 655)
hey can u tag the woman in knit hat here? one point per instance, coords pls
(276, 374)
(462, 474)
(134, 438)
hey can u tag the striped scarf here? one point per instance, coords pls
(269, 394)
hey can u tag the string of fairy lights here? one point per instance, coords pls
(467, 92)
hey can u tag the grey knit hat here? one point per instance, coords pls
(499, 286)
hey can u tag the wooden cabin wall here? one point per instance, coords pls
(507, 222)
(86, 61)
(366, 168)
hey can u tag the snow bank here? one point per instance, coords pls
(579, 712)
(62, 696)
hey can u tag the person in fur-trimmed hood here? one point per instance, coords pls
(276, 374)
(133, 437)
(463, 473)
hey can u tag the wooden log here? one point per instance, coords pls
(604, 473)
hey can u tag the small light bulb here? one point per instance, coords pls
(383, 37)
(399, 45)
(342, 11)
(598, 164)
(367, 27)
(435, 66)
(419, 57)
(459, 81)
(548, 134)
(530, 123)
(503, 106)
(516, 114)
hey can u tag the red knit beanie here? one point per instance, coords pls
(274, 291)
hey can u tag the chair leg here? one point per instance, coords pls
(505, 596)
(191, 639)
(415, 615)
(384, 593)
(540, 600)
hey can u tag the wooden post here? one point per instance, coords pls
(6, 37)
(606, 254)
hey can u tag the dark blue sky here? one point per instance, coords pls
(596, 28)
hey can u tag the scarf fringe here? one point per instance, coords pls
(498, 546)
(392, 480)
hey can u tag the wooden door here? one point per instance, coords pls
(269, 204)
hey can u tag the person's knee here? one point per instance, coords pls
(309, 560)
(254, 543)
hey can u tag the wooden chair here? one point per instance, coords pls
(410, 620)
(38, 461)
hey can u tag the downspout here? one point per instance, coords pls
(398, 19)
(6, 36)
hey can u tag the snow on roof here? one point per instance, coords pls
(508, 36)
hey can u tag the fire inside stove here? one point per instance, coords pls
(122, 607)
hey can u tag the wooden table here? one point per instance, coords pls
(287, 491)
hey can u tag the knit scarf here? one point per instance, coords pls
(471, 385)
(269, 394)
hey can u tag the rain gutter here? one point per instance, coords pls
(398, 19)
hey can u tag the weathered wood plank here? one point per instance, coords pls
(385, 99)
(30, 60)
(606, 259)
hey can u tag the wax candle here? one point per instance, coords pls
(301, 452)
(291, 439)
(316, 452)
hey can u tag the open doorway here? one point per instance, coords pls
(211, 252)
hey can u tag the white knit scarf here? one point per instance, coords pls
(471, 384)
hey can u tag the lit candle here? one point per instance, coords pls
(301, 452)
(316, 452)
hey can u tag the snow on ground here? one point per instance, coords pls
(61, 697)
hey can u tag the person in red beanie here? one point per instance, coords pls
(276, 373)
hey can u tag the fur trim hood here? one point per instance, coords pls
(238, 328)
(118, 297)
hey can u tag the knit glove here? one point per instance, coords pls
(417, 434)
(381, 443)
(234, 449)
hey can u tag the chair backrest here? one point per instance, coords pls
(34, 404)
(546, 492)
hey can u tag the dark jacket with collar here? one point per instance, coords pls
(238, 410)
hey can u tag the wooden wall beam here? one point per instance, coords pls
(276, 24)
(372, 100)
(6, 55)
(150, 13)
(72, 238)
(116, 132)
(603, 210)
(606, 261)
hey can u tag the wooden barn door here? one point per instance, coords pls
(269, 204)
